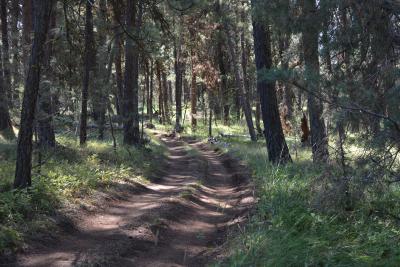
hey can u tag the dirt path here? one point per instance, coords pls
(178, 220)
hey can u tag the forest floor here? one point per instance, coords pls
(182, 218)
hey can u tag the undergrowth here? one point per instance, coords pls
(68, 174)
(296, 222)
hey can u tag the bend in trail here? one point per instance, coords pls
(179, 220)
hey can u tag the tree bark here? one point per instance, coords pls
(15, 37)
(45, 110)
(99, 92)
(193, 96)
(319, 140)
(119, 77)
(6, 51)
(238, 69)
(88, 57)
(5, 119)
(131, 83)
(147, 86)
(278, 151)
(178, 82)
(118, 56)
(258, 118)
(166, 97)
(186, 91)
(224, 82)
(161, 112)
(151, 93)
(24, 149)
(193, 91)
(27, 22)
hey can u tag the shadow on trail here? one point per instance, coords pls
(177, 220)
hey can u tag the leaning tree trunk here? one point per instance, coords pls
(319, 140)
(88, 57)
(278, 151)
(236, 61)
(24, 149)
(131, 84)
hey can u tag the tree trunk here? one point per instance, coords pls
(166, 96)
(99, 93)
(193, 91)
(119, 75)
(178, 83)
(258, 118)
(24, 149)
(238, 69)
(27, 22)
(118, 56)
(147, 87)
(278, 151)
(224, 82)
(88, 57)
(151, 93)
(186, 91)
(210, 108)
(6, 51)
(131, 84)
(46, 133)
(287, 92)
(193, 97)
(161, 112)
(319, 140)
(5, 120)
(170, 94)
(15, 37)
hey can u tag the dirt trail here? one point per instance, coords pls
(179, 220)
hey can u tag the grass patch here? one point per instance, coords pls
(70, 174)
(297, 223)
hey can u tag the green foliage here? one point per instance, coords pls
(290, 229)
(69, 174)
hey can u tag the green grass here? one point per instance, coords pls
(301, 218)
(300, 221)
(70, 175)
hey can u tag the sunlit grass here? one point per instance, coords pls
(288, 228)
(287, 231)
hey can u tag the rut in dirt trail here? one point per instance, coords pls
(179, 220)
